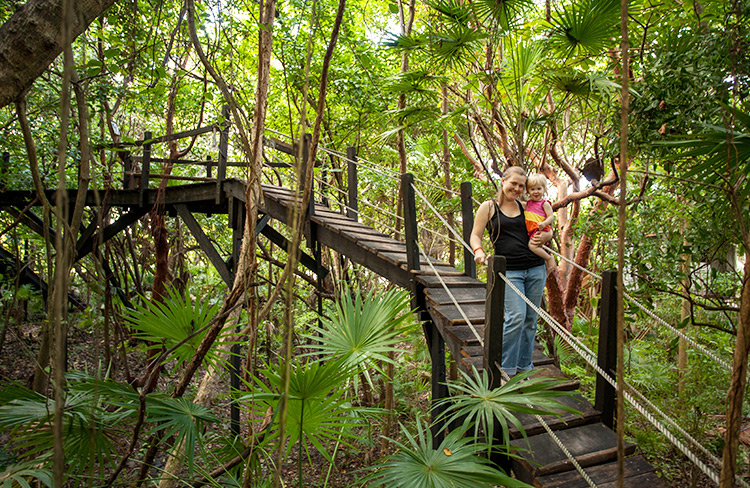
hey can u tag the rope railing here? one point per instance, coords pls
(566, 336)
(651, 314)
(589, 356)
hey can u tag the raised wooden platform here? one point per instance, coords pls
(541, 462)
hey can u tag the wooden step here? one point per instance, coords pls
(585, 414)
(638, 473)
(590, 445)
(453, 316)
(469, 296)
(457, 281)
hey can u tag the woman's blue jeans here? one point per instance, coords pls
(519, 329)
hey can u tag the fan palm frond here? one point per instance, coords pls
(502, 13)
(179, 417)
(174, 321)
(419, 463)
(25, 475)
(475, 403)
(456, 46)
(363, 329)
(584, 27)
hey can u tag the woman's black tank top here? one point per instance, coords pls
(511, 239)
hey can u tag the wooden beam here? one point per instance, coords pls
(205, 243)
(84, 247)
(305, 259)
(467, 219)
(606, 396)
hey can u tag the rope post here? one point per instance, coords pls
(145, 167)
(410, 222)
(221, 168)
(351, 174)
(4, 170)
(606, 396)
(494, 317)
(467, 219)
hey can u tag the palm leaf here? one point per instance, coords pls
(174, 322)
(363, 329)
(478, 405)
(584, 27)
(455, 462)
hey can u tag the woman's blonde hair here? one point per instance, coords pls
(513, 170)
(537, 179)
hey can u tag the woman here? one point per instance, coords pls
(504, 218)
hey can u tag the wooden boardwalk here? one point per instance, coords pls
(541, 462)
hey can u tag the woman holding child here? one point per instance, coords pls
(504, 219)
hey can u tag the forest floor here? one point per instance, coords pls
(352, 462)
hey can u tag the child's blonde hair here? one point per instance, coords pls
(537, 179)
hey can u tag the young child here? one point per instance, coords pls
(538, 214)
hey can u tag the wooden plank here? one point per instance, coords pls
(650, 480)
(441, 269)
(457, 281)
(551, 371)
(463, 335)
(590, 445)
(468, 296)
(586, 415)
(538, 356)
(474, 312)
(635, 469)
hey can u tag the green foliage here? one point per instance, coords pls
(176, 322)
(481, 406)
(584, 27)
(419, 463)
(363, 329)
(317, 410)
(25, 475)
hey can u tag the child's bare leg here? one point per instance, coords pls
(548, 259)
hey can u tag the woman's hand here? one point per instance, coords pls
(480, 257)
(541, 238)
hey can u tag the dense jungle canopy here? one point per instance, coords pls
(449, 91)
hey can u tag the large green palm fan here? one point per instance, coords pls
(363, 329)
(455, 462)
(473, 402)
(89, 428)
(718, 154)
(317, 411)
(584, 27)
(503, 14)
(177, 322)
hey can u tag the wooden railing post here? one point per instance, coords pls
(145, 167)
(606, 396)
(410, 222)
(221, 168)
(351, 173)
(493, 319)
(209, 165)
(467, 219)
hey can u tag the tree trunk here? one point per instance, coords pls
(32, 38)
(738, 383)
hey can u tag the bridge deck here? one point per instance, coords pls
(541, 462)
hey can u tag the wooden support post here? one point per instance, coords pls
(410, 222)
(351, 174)
(494, 319)
(493, 342)
(467, 218)
(236, 217)
(221, 169)
(209, 165)
(4, 166)
(145, 168)
(606, 396)
(127, 171)
(306, 141)
(436, 344)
